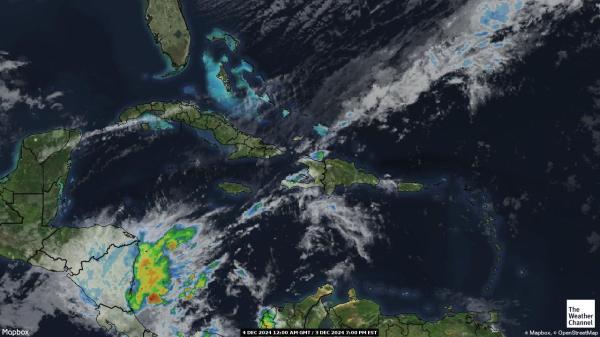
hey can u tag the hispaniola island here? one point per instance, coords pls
(195, 168)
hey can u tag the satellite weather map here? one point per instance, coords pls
(312, 168)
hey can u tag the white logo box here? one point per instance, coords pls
(581, 314)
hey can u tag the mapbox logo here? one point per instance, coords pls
(15, 332)
(581, 314)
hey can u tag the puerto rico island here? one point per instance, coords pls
(409, 187)
(167, 24)
(225, 133)
(312, 313)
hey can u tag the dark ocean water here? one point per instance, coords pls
(433, 249)
(536, 142)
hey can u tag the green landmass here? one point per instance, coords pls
(329, 174)
(224, 78)
(339, 172)
(29, 200)
(308, 313)
(167, 24)
(409, 187)
(225, 133)
(29, 195)
(234, 188)
(313, 313)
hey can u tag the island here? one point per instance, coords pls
(219, 35)
(234, 188)
(224, 78)
(328, 174)
(313, 313)
(409, 187)
(167, 24)
(225, 133)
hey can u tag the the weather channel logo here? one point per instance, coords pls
(581, 314)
